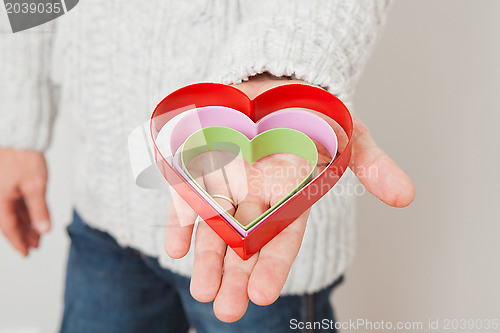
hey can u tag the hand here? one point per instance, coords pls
(24, 215)
(219, 275)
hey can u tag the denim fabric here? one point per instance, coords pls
(111, 289)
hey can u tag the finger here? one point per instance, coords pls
(232, 299)
(270, 274)
(10, 228)
(380, 175)
(210, 249)
(185, 214)
(177, 234)
(33, 192)
(180, 222)
(209, 252)
(231, 302)
(31, 236)
(275, 260)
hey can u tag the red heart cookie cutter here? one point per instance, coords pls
(278, 98)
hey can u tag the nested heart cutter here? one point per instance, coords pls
(203, 102)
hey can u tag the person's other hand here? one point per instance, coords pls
(219, 275)
(24, 215)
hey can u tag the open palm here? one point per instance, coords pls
(219, 274)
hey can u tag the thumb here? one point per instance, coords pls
(34, 196)
(380, 175)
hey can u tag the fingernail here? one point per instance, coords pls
(42, 226)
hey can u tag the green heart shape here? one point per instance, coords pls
(277, 140)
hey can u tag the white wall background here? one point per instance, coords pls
(431, 96)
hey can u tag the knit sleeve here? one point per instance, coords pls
(26, 108)
(325, 43)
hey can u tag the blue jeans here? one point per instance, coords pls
(113, 289)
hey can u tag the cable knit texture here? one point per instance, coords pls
(115, 60)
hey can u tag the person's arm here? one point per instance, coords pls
(26, 117)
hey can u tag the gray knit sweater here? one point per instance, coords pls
(113, 61)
